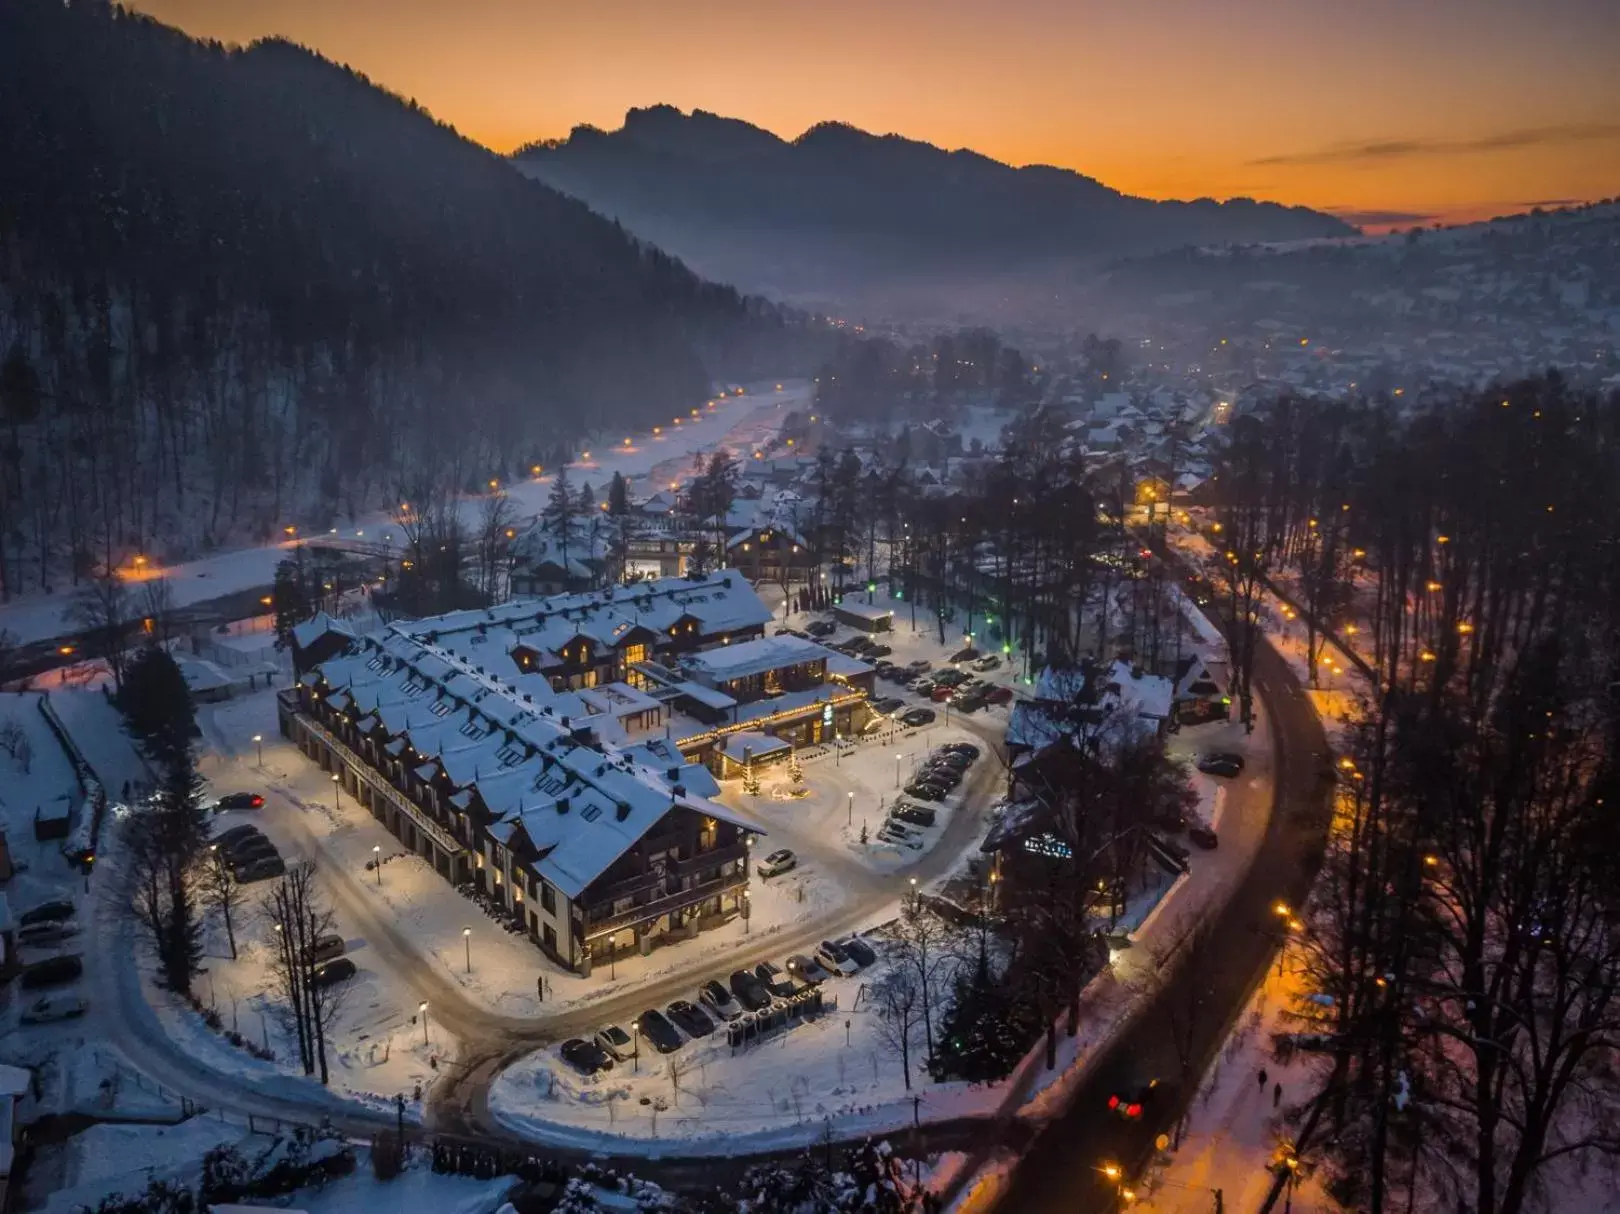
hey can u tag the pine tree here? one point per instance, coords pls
(290, 601)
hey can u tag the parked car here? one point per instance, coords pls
(917, 815)
(333, 972)
(961, 748)
(228, 838)
(969, 701)
(807, 969)
(250, 850)
(327, 948)
(926, 791)
(775, 979)
(262, 869)
(917, 717)
(1131, 1102)
(750, 991)
(689, 1018)
(46, 912)
(616, 1042)
(921, 665)
(719, 1000)
(778, 862)
(952, 678)
(966, 654)
(922, 685)
(1203, 836)
(999, 695)
(859, 644)
(879, 651)
(1221, 764)
(52, 931)
(887, 705)
(656, 1029)
(946, 757)
(941, 693)
(239, 800)
(990, 661)
(821, 628)
(54, 1007)
(859, 951)
(53, 971)
(836, 960)
(586, 1057)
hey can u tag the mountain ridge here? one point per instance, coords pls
(837, 206)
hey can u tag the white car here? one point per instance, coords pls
(777, 863)
(54, 1007)
(837, 961)
(620, 1046)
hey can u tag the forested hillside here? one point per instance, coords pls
(243, 287)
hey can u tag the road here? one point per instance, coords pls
(1061, 1169)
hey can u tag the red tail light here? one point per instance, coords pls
(1133, 1111)
(257, 801)
(1113, 1102)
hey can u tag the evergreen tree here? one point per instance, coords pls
(618, 496)
(157, 708)
(290, 601)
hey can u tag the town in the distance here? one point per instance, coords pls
(688, 669)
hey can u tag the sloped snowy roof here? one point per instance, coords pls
(318, 625)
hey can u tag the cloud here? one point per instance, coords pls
(1402, 149)
(1380, 219)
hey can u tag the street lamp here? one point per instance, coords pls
(466, 940)
(897, 759)
(376, 862)
(337, 791)
(851, 821)
(258, 741)
(913, 894)
(421, 1010)
(635, 1052)
(747, 919)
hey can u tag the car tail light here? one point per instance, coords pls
(1133, 1110)
(1113, 1102)
(257, 801)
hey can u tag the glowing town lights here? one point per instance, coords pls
(1350, 630)
(1348, 764)
(1359, 553)
(1465, 628)
(1111, 1170)
(1426, 656)
(627, 440)
(290, 530)
(535, 471)
(1281, 910)
(1442, 539)
(1431, 860)
(1304, 341)
(266, 600)
(585, 455)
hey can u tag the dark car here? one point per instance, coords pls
(261, 869)
(240, 800)
(917, 717)
(1203, 836)
(690, 1018)
(887, 705)
(965, 654)
(1132, 1102)
(879, 651)
(860, 645)
(46, 912)
(228, 839)
(917, 815)
(859, 951)
(998, 695)
(586, 1057)
(51, 972)
(807, 970)
(926, 792)
(775, 979)
(253, 854)
(821, 628)
(970, 701)
(1221, 764)
(333, 972)
(961, 748)
(945, 757)
(659, 1031)
(750, 991)
(952, 678)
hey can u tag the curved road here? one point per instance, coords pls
(1061, 1169)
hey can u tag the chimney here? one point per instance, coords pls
(562, 805)
(624, 810)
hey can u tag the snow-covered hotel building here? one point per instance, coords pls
(525, 751)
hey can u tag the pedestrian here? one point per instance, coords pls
(1262, 1079)
(1276, 1095)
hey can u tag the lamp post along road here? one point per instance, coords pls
(466, 939)
(258, 742)
(422, 1011)
(337, 792)
(851, 819)
(376, 861)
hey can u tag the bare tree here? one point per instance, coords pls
(155, 607)
(299, 917)
(220, 891)
(102, 612)
(925, 945)
(898, 998)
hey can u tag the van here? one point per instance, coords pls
(327, 948)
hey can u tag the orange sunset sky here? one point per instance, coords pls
(1383, 111)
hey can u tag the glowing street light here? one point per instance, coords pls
(376, 862)
(258, 741)
(421, 1010)
(466, 940)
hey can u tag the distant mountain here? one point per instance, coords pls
(838, 209)
(257, 261)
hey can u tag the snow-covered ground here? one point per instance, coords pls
(740, 424)
(834, 1071)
